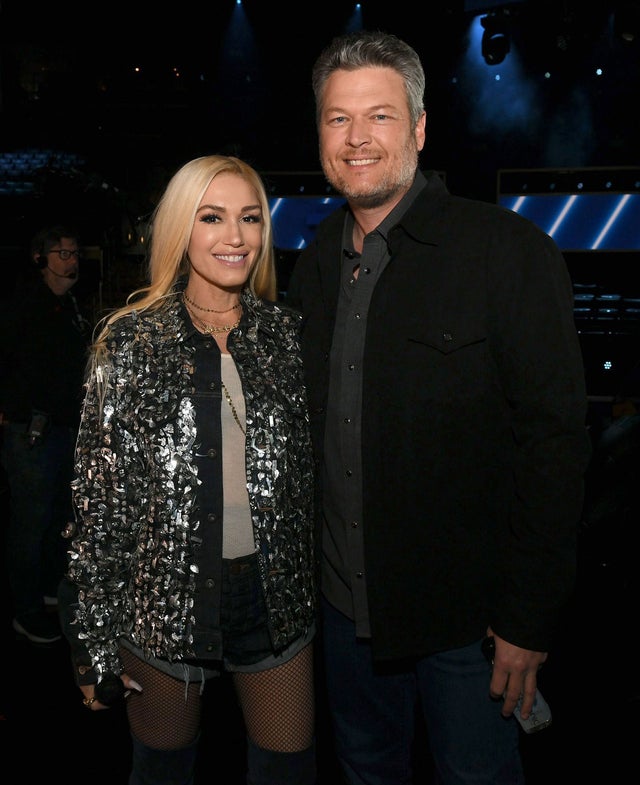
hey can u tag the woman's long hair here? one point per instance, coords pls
(170, 231)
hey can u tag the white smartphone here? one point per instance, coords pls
(540, 716)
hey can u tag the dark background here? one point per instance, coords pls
(118, 96)
(210, 82)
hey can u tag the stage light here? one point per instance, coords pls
(627, 21)
(495, 44)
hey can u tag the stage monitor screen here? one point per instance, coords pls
(582, 209)
(583, 222)
(296, 218)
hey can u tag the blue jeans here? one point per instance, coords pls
(373, 713)
(40, 507)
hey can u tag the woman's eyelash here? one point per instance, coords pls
(213, 217)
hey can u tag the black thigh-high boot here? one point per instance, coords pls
(266, 767)
(162, 767)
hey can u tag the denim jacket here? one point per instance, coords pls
(137, 558)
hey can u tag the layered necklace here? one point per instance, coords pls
(207, 327)
(232, 405)
(208, 310)
(213, 329)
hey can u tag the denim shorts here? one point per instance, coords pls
(245, 634)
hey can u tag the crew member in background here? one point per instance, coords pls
(43, 352)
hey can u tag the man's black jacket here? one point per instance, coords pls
(474, 444)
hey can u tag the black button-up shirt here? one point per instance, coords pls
(343, 568)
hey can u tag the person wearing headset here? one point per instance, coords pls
(43, 352)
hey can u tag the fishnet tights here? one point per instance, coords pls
(162, 716)
(277, 705)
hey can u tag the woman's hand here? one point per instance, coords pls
(110, 697)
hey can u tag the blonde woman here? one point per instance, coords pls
(192, 555)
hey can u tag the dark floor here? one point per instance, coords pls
(591, 681)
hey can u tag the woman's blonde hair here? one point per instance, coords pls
(170, 231)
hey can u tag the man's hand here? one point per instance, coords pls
(515, 674)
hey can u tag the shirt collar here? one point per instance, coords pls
(394, 217)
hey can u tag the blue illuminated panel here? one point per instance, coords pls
(576, 221)
(295, 218)
(585, 221)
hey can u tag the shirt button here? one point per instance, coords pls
(347, 420)
(348, 472)
(210, 583)
(367, 270)
(354, 524)
(359, 575)
(211, 517)
(212, 453)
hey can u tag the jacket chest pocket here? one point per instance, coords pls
(446, 363)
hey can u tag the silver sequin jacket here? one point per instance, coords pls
(133, 561)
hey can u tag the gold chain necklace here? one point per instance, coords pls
(227, 395)
(211, 329)
(209, 310)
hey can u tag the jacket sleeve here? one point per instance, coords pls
(83, 670)
(108, 504)
(538, 355)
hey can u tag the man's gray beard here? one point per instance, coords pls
(386, 190)
(372, 200)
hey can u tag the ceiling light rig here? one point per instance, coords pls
(496, 42)
(627, 21)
